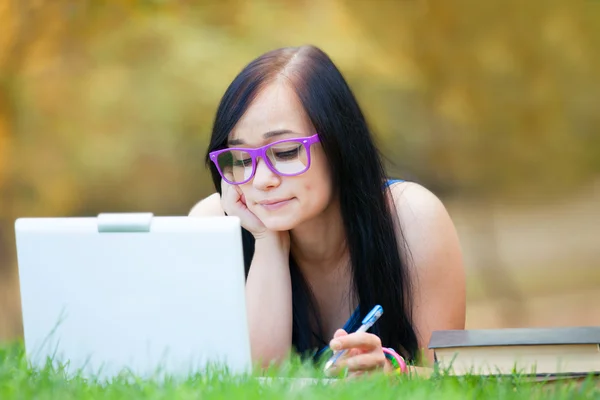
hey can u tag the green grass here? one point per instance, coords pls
(19, 381)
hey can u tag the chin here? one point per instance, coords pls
(279, 224)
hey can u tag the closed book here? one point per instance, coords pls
(573, 351)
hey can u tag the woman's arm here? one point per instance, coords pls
(435, 262)
(268, 290)
(269, 299)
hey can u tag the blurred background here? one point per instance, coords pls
(492, 105)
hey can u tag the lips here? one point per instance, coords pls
(274, 204)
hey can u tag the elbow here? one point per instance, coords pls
(266, 355)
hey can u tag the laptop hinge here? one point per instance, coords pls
(124, 222)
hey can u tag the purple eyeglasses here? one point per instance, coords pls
(288, 157)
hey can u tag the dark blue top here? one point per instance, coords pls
(355, 320)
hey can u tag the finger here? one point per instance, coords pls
(339, 333)
(230, 196)
(355, 361)
(224, 189)
(364, 362)
(239, 196)
(356, 374)
(339, 366)
(223, 195)
(361, 340)
(224, 186)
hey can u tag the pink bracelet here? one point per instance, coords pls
(396, 359)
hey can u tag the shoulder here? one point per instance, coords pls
(428, 237)
(420, 212)
(208, 207)
(418, 209)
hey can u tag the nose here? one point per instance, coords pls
(264, 178)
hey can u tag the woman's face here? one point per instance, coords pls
(281, 202)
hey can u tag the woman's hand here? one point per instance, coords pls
(364, 353)
(234, 203)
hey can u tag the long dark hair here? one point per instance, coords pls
(380, 274)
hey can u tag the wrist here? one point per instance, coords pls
(396, 360)
(272, 241)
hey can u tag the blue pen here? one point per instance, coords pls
(367, 323)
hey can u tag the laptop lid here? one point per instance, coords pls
(133, 292)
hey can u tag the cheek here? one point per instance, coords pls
(316, 194)
(316, 185)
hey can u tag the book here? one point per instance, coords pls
(549, 352)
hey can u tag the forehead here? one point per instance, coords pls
(275, 108)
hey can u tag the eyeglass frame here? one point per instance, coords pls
(262, 152)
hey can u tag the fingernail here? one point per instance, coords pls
(335, 345)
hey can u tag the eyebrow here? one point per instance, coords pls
(267, 135)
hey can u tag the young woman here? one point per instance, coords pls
(326, 235)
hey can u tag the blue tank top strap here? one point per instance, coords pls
(389, 182)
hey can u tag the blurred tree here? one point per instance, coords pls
(502, 94)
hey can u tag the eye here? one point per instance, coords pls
(287, 154)
(242, 163)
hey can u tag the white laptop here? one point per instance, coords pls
(134, 292)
